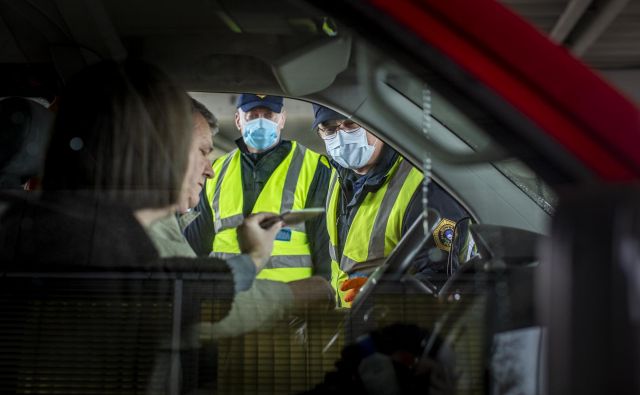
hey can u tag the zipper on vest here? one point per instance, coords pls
(341, 217)
(255, 182)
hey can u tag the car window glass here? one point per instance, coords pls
(290, 347)
(470, 131)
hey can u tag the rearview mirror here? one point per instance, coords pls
(503, 246)
(327, 58)
(479, 248)
(497, 246)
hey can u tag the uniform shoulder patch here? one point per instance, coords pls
(443, 234)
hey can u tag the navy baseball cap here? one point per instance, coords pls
(247, 102)
(323, 114)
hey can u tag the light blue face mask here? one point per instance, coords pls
(260, 133)
(350, 150)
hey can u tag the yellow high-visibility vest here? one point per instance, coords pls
(376, 227)
(286, 189)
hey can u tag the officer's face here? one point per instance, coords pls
(260, 112)
(375, 142)
(330, 130)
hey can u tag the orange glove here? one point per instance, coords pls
(352, 285)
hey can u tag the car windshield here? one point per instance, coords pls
(163, 145)
(471, 133)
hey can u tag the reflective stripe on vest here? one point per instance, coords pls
(376, 227)
(286, 189)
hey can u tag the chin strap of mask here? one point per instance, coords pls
(426, 162)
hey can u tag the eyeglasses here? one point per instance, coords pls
(329, 130)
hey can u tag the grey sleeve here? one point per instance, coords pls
(265, 302)
(244, 272)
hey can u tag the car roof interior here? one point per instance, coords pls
(242, 45)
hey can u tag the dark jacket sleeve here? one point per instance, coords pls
(317, 227)
(200, 232)
(431, 262)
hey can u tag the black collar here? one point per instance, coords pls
(375, 176)
(255, 157)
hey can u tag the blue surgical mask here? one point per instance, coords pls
(350, 150)
(260, 133)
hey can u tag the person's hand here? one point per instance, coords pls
(314, 290)
(352, 285)
(256, 241)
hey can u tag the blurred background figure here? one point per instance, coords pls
(25, 126)
(399, 359)
(120, 146)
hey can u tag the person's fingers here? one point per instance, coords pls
(264, 220)
(352, 283)
(259, 217)
(351, 295)
(347, 285)
(275, 228)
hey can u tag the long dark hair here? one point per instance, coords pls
(122, 132)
